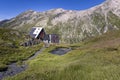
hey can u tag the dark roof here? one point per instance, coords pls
(35, 31)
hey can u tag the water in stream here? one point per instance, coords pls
(14, 69)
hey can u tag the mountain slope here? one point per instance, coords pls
(72, 26)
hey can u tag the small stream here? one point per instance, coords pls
(14, 69)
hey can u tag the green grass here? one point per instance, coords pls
(10, 49)
(95, 59)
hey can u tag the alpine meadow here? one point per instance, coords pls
(60, 44)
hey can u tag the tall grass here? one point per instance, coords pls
(84, 62)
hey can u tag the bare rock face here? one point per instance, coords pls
(73, 26)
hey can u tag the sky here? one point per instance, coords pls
(12, 8)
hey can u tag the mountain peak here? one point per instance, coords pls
(72, 25)
(112, 3)
(59, 9)
(29, 11)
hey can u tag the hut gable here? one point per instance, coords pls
(37, 33)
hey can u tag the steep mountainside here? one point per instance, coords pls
(73, 26)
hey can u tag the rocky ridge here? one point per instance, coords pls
(73, 26)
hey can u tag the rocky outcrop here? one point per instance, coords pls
(72, 26)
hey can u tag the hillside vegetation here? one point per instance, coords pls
(95, 59)
(10, 49)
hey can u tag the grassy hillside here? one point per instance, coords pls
(95, 59)
(10, 49)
